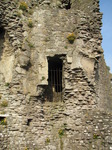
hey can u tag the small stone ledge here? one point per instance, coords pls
(3, 115)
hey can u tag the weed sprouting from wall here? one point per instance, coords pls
(7, 84)
(3, 121)
(61, 132)
(23, 6)
(95, 136)
(4, 103)
(43, 78)
(71, 37)
(47, 141)
(26, 148)
(30, 23)
(31, 45)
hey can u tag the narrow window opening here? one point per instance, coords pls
(66, 4)
(2, 32)
(55, 73)
(2, 39)
(55, 66)
(111, 81)
(29, 122)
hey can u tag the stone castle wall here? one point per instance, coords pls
(83, 119)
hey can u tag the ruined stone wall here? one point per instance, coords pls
(32, 35)
(105, 86)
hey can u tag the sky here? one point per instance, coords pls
(106, 9)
